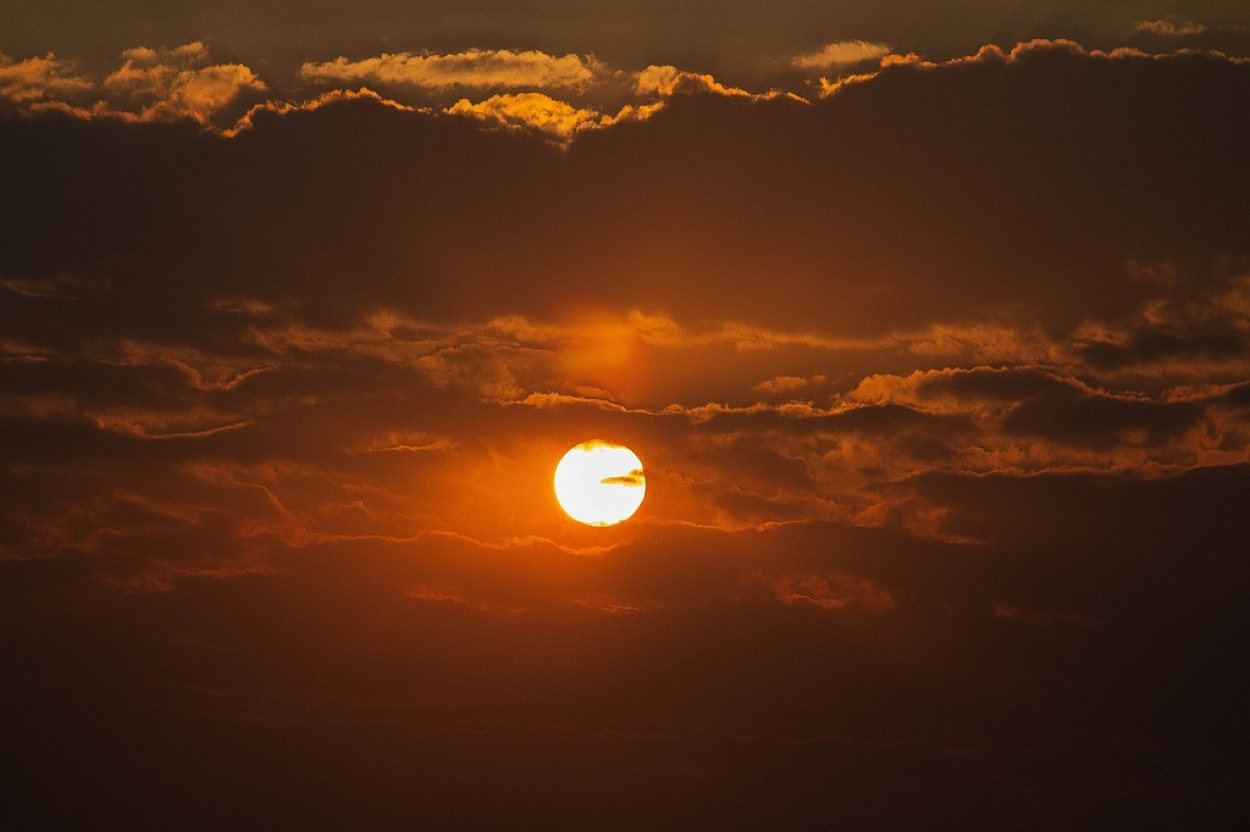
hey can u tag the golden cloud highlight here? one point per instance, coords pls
(479, 68)
(40, 79)
(180, 83)
(543, 115)
(843, 53)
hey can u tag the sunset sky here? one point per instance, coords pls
(930, 323)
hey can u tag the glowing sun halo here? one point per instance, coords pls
(600, 484)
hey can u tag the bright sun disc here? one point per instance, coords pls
(600, 484)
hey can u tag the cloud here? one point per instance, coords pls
(539, 113)
(36, 80)
(474, 68)
(275, 109)
(669, 80)
(151, 85)
(843, 53)
(666, 80)
(180, 82)
(634, 479)
(1171, 27)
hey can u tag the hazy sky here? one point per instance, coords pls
(930, 324)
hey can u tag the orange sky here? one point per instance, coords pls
(936, 353)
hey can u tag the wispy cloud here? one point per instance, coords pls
(1171, 27)
(40, 79)
(843, 53)
(475, 68)
(539, 113)
(151, 85)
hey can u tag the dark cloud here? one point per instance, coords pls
(1195, 322)
(888, 195)
(1239, 395)
(1101, 420)
(1044, 405)
(938, 382)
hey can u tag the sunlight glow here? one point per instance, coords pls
(599, 483)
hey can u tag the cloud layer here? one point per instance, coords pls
(475, 68)
(939, 380)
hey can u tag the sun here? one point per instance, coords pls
(600, 483)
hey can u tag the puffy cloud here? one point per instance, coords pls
(541, 114)
(151, 85)
(667, 80)
(37, 80)
(782, 385)
(180, 82)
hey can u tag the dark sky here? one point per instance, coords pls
(930, 324)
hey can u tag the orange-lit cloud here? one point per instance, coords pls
(832, 592)
(1171, 27)
(1025, 51)
(541, 114)
(180, 82)
(40, 79)
(476, 68)
(151, 85)
(840, 54)
(669, 80)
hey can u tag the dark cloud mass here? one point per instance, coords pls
(937, 361)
